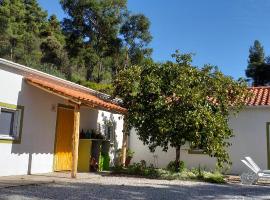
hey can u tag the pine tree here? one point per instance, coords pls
(258, 70)
(21, 21)
(53, 47)
(256, 53)
(12, 13)
(91, 30)
(137, 36)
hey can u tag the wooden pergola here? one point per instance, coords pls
(78, 98)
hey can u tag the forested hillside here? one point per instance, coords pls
(89, 46)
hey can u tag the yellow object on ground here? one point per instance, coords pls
(85, 146)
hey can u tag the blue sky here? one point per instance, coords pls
(219, 32)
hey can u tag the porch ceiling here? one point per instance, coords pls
(74, 95)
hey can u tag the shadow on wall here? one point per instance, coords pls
(39, 124)
(101, 122)
(39, 127)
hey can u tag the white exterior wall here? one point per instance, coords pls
(94, 119)
(36, 151)
(250, 137)
(249, 128)
(91, 119)
(161, 159)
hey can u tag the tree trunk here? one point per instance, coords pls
(100, 68)
(89, 73)
(11, 54)
(126, 60)
(177, 157)
(68, 73)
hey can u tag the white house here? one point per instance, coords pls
(251, 130)
(41, 117)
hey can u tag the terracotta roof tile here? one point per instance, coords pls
(75, 94)
(260, 96)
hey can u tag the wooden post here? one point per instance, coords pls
(75, 141)
(124, 143)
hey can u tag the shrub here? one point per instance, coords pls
(215, 177)
(143, 163)
(140, 169)
(172, 166)
(136, 169)
(130, 153)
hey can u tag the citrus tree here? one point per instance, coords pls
(173, 103)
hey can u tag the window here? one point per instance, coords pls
(10, 122)
(109, 133)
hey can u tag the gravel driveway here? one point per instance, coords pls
(114, 187)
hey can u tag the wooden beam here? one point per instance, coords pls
(75, 141)
(53, 92)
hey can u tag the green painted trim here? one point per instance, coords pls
(7, 105)
(8, 141)
(196, 151)
(268, 144)
(18, 107)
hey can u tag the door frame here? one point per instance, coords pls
(64, 106)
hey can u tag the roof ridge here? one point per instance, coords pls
(258, 87)
(30, 72)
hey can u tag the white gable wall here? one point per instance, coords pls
(250, 137)
(161, 159)
(91, 119)
(36, 151)
(249, 128)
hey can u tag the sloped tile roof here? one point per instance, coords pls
(260, 96)
(72, 93)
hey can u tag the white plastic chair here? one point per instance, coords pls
(255, 174)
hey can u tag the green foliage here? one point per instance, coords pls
(21, 23)
(101, 87)
(50, 69)
(103, 38)
(88, 41)
(256, 53)
(29, 38)
(172, 166)
(137, 36)
(215, 177)
(258, 66)
(173, 103)
(53, 46)
(130, 153)
(140, 169)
